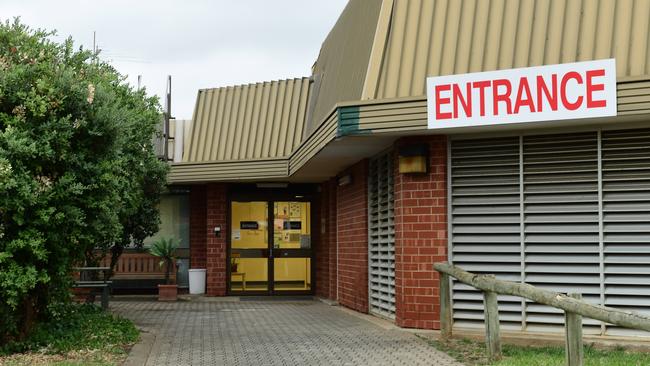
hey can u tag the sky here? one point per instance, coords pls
(200, 43)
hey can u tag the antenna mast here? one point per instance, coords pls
(168, 116)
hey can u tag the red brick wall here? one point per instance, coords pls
(352, 203)
(420, 237)
(216, 209)
(325, 252)
(198, 227)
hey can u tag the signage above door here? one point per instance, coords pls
(542, 93)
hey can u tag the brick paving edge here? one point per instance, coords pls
(139, 354)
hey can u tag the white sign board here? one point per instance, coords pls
(543, 93)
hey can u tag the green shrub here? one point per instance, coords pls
(77, 327)
(77, 169)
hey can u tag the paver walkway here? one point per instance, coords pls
(271, 333)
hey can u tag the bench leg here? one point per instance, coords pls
(105, 298)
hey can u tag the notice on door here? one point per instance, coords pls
(543, 93)
(249, 225)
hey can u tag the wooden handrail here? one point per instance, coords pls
(572, 304)
(614, 316)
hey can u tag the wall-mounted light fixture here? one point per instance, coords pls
(413, 159)
(345, 180)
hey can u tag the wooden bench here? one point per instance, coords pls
(137, 266)
(85, 281)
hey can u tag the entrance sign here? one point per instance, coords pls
(542, 93)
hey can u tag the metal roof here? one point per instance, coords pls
(370, 76)
(245, 122)
(340, 70)
(379, 118)
(442, 37)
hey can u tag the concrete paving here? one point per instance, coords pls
(269, 332)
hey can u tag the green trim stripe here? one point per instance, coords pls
(348, 122)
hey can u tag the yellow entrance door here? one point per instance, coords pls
(291, 246)
(270, 247)
(249, 247)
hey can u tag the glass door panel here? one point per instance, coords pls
(249, 225)
(291, 250)
(249, 247)
(292, 274)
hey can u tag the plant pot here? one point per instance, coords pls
(167, 292)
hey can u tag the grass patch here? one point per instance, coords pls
(75, 335)
(473, 353)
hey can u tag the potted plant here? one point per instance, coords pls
(165, 249)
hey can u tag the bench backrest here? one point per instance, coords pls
(137, 265)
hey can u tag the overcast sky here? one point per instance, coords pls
(201, 43)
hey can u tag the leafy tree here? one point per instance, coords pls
(77, 169)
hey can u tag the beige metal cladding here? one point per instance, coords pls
(255, 121)
(340, 70)
(443, 37)
(222, 171)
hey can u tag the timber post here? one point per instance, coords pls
(492, 336)
(445, 306)
(573, 335)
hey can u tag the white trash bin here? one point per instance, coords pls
(197, 281)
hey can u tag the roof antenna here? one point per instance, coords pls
(168, 116)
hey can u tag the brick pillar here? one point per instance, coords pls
(326, 250)
(352, 203)
(198, 227)
(323, 244)
(332, 237)
(216, 209)
(420, 237)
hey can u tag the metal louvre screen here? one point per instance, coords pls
(485, 223)
(381, 237)
(568, 212)
(626, 221)
(560, 215)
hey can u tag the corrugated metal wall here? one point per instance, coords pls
(442, 37)
(255, 121)
(568, 212)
